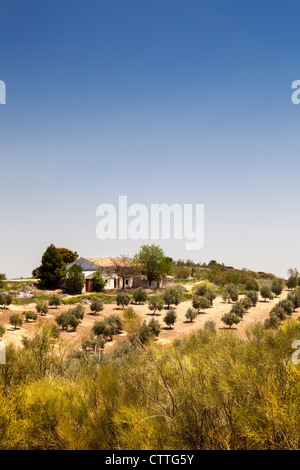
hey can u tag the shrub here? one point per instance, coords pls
(170, 318)
(75, 279)
(252, 295)
(16, 320)
(266, 293)
(155, 303)
(140, 295)
(238, 309)
(252, 284)
(200, 303)
(230, 319)
(277, 286)
(99, 281)
(96, 305)
(231, 293)
(172, 296)
(29, 315)
(122, 299)
(54, 300)
(42, 307)
(191, 314)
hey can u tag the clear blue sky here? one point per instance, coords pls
(163, 101)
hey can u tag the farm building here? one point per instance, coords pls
(113, 280)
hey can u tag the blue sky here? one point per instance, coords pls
(163, 101)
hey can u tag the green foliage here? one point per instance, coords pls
(30, 315)
(252, 295)
(68, 256)
(122, 299)
(53, 269)
(42, 307)
(107, 328)
(140, 295)
(191, 314)
(156, 303)
(203, 392)
(200, 303)
(2, 278)
(75, 279)
(238, 309)
(99, 281)
(170, 318)
(70, 318)
(16, 320)
(231, 293)
(266, 293)
(277, 286)
(230, 319)
(183, 272)
(96, 305)
(252, 284)
(54, 300)
(172, 296)
(154, 264)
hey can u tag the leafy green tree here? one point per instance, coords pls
(68, 256)
(122, 299)
(78, 311)
(231, 292)
(210, 295)
(155, 303)
(272, 322)
(75, 279)
(140, 295)
(96, 305)
(172, 296)
(239, 309)
(153, 262)
(230, 319)
(191, 314)
(8, 300)
(170, 318)
(42, 307)
(30, 315)
(292, 282)
(277, 287)
(53, 269)
(2, 300)
(103, 328)
(116, 322)
(252, 295)
(266, 293)
(200, 303)
(154, 326)
(16, 320)
(54, 301)
(247, 302)
(63, 320)
(2, 279)
(252, 284)
(99, 281)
